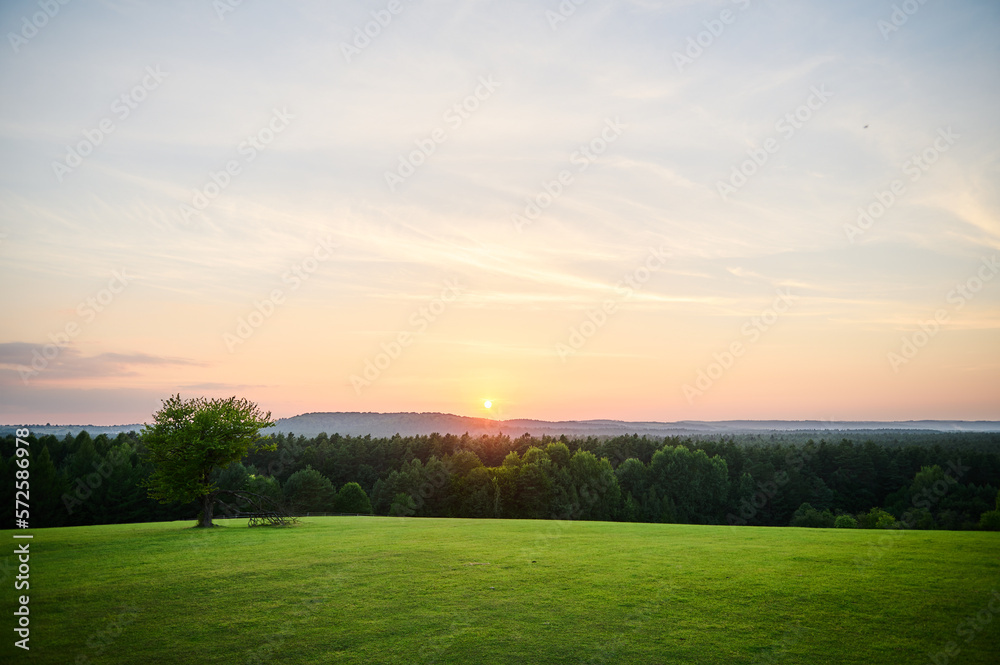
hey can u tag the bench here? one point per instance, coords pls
(259, 518)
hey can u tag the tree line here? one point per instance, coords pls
(878, 480)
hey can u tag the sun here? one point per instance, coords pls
(488, 404)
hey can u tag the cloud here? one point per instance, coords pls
(325, 175)
(220, 387)
(49, 363)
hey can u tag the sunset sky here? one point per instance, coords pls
(260, 199)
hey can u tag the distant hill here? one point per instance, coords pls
(388, 424)
(408, 424)
(62, 430)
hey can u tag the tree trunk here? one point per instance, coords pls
(207, 506)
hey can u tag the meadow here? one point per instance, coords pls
(414, 590)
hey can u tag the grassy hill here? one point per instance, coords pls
(395, 590)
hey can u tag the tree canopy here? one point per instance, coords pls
(922, 480)
(190, 438)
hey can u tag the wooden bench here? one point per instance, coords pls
(257, 519)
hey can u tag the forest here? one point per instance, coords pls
(872, 479)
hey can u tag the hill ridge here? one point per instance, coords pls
(411, 423)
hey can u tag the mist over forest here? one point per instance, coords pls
(888, 478)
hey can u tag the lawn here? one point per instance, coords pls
(408, 590)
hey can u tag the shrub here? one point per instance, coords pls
(845, 522)
(876, 518)
(885, 520)
(990, 520)
(808, 516)
(919, 518)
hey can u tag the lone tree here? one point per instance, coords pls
(191, 438)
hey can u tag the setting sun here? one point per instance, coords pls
(487, 404)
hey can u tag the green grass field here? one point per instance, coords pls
(393, 590)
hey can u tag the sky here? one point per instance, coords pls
(633, 209)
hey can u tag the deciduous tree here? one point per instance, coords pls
(189, 439)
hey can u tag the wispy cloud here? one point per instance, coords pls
(68, 363)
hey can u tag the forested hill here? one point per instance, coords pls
(424, 424)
